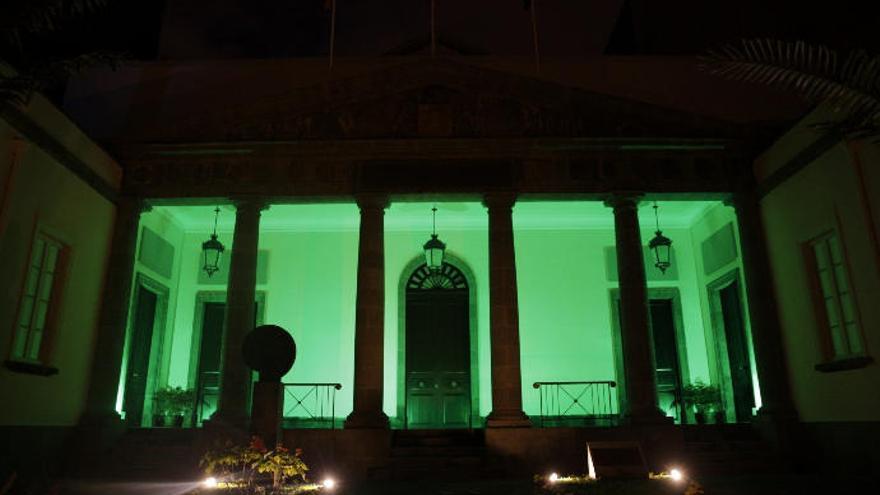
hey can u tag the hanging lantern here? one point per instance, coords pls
(661, 246)
(434, 248)
(212, 249)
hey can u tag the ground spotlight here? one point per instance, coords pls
(328, 483)
(210, 482)
(553, 477)
(676, 474)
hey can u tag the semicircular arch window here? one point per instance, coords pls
(448, 277)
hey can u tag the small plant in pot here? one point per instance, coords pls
(702, 398)
(174, 404)
(181, 405)
(161, 406)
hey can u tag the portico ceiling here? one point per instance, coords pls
(536, 215)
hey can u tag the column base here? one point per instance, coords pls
(508, 419)
(102, 419)
(220, 421)
(366, 420)
(776, 415)
(650, 417)
(780, 428)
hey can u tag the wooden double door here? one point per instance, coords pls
(438, 371)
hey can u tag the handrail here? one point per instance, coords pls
(610, 383)
(314, 399)
(337, 386)
(588, 401)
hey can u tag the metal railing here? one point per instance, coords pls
(310, 405)
(577, 403)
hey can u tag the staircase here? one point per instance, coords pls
(438, 455)
(729, 449)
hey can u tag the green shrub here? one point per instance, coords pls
(247, 467)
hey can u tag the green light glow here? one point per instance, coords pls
(564, 289)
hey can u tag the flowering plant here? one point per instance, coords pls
(242, 466)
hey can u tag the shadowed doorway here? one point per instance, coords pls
(732, 347)
(438, 368)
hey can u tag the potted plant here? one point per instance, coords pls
(702, 398)
(173, 402)
(162, 399)
(181, 405)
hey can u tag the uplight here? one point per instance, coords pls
(676, 475)
(210, 482)
(329, 483)
(553, 477)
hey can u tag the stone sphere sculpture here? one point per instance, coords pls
(269, 350)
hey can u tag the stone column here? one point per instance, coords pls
(504, 316)
(635, 323)
(370, 317)
(235, 376)
(106, 368)
(770, 359)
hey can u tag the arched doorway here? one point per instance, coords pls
(438, 374)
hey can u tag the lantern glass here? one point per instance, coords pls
(212, 249)
(662, 248)
(434, 251)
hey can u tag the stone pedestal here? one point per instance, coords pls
(370, 317)
(504, 316)
(266, 412)
(106, 369)
(235, 377)
(770, 359)
(635, 323)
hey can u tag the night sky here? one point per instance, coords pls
(210, 29)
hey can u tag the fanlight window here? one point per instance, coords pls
(447, 277)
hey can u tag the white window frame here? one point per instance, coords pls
(834, 298)
(39, 299)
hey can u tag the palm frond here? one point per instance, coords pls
(18, 17)
(813, 72)
(17, 89)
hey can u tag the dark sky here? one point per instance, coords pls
(188, 29)
(280, 28)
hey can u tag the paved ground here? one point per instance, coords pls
(743, 485)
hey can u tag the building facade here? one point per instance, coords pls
(549, 324)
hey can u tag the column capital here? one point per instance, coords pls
(742, 200)
(372, 201)
(499, 200)
(134, 204)
(624, 199)
(253, 203)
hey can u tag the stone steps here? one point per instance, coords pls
(437, 455)
(730, 449)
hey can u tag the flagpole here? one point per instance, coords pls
(534, 5)
(433, 32)
(332, 33)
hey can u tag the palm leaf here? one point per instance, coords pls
(18, 88)
(814, 72)
(18, 17)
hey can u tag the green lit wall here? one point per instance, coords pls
(470, 244)
(564, 303)
(162, 223)
(564, 290)
(718, 217)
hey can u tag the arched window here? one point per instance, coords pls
(447, 277)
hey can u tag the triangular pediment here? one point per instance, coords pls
(437, 99)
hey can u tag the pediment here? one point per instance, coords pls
(437, 99)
